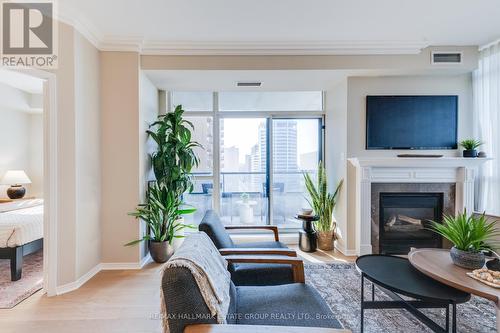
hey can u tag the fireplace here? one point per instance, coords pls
(404, 219)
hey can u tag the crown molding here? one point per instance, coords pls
(151, 47)
(276, 48)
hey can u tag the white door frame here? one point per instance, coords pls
(50, 177)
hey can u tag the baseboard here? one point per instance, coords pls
(110, 266)
(145, 260)
(66, 288)
(344, 251)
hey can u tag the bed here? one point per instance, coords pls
(21, 232)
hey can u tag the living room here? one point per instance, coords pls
(326, 154)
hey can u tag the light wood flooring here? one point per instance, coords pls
(112, 301)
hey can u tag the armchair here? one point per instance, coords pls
(250, 273)
(293, 305)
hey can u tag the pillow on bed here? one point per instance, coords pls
(21, 204)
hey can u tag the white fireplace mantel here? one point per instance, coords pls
(458, 170)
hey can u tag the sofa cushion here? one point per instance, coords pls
(261, 274)
(272, 244)
(213, 227)
(287, 305)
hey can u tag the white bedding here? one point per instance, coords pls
(21, 223)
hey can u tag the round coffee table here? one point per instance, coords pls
(396, 276)
(437, 264)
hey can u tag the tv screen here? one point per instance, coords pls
(411, 122)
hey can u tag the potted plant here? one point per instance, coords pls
(323, 203)
(162, 215)
(470, 147)
(470, 236)
(172, 163)
(245, 209)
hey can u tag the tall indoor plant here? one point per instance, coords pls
(172, 164)
(323, 203)
(470, 236)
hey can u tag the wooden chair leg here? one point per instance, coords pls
(16, 264)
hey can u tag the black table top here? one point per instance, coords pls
(398, 275)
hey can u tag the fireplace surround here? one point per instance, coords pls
(399, 205)
(366, 173)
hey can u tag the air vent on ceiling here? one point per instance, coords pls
(249, 84)
(446, 58)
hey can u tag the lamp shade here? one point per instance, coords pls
(15, 177)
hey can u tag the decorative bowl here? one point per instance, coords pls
(306, 211)
(467, 259)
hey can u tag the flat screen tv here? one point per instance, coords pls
(411, 122)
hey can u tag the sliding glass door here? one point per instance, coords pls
(256, 147)
(243, 170)
(296, 148)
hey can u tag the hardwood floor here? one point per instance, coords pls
(112, 301)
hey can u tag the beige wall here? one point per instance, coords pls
(87, 155)
(120, 155)
(360, 87)
(415, 62)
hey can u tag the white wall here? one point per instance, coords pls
(21, 139)
(360, 87)
(335, 152)
(87, 155)
(148, 112)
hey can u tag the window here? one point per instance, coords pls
(252, 140)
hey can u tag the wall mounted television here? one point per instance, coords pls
(411, 122)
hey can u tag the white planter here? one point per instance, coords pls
(246, 213)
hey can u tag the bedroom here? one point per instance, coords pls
(21, 187)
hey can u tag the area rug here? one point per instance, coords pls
(14, 292)
(339, 285)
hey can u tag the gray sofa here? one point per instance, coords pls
(296, 304)
(249, 274)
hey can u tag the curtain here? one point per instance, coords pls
(486, 94)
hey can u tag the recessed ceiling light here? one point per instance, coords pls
(249, 84)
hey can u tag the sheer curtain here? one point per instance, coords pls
(486, 86)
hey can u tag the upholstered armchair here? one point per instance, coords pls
(250, 273)
(293, 308)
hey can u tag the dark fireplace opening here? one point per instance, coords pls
(404, 219)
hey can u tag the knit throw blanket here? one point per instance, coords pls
(198, 254)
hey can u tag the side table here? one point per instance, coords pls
(307, 236)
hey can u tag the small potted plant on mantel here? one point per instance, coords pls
(470, 147)
(470, 235)
(323, 203)
(172, 163)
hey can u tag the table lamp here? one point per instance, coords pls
(15, 178)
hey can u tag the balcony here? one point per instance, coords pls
(244, 198)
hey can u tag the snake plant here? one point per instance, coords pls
(322, 201)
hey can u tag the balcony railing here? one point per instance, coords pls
(245, 199)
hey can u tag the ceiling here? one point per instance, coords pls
(324, 26)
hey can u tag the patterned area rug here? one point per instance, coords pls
(14, 292)
(339, 285)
